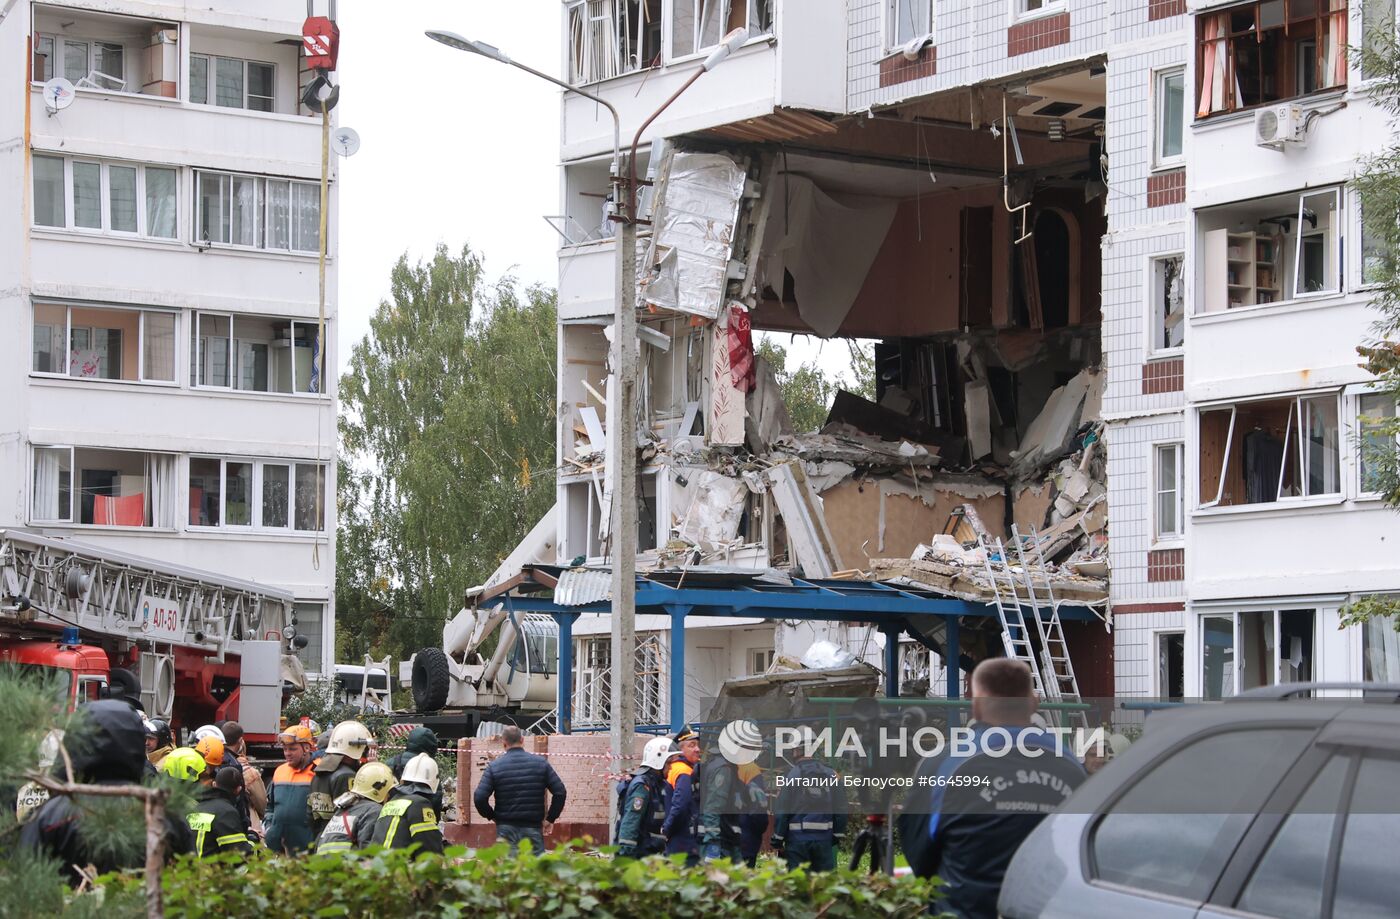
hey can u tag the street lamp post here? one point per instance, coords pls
(622, 405)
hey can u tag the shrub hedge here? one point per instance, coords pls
(559, 884)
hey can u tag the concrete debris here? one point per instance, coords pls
(714, 507)
(801, 509)
(1050, 435)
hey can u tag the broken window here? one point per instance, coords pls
(1171, 666)
(592, 689)
(1269, 450)
(1168, 487)
(698, 25)
(1246, 650)
(906, 20)
(1168, 303)
(760, 659)
(1258, 53)
(1375, 422)
(1168, 99)
(608, 38)
(1268, 250)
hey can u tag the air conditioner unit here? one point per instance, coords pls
(1277, 125)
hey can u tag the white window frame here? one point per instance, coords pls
(1155, 318)
(57, 68)
(1333, 247)
(1161, 160)
(1357, 28)
(1161, 538)
(1353, 403)
(325, 614)
(257, 524)
(1356, 260)
(1155, 638)
(1293, 440)
(199, 360)
(141, 312)
(210, 83)
(262, 210)
(72, 485)
(1275, 613)
(668, 20)
(889, 24)
(1020, 12)
(754, 654)
(104, 196)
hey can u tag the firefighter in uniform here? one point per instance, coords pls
(352, 824)
(408, 818)
(682, 773)
(723, 801)
(645, 803)
(285, 827)
(214, 820)
(808, 821)
(345, 753)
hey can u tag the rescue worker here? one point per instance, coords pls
(287, 825)
(185, 764)
(254, 789)
(356, 811)
(215, 820)
(420, 740)
(721, 803)
(407, 819)
(159, 743)
(149, 769)
(113, 754)
(809, 820)
(644, 804)
(681, 775)
(753, 825)
(345, 753)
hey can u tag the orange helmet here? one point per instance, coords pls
(297, 733)
(212, 749)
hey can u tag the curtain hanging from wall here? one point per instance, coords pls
(46, 482)
(1334, 66)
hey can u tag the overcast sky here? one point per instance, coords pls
(454, 148)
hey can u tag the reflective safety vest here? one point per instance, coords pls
(407, 819)
(217, 825)
(351, 826)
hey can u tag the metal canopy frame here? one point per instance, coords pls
(885, 606)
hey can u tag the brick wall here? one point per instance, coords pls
(1161, 9)
(583, 764)
(898, 69)
(1166, 188)
(1037, 34)
(1162, 376)
(1166, 565)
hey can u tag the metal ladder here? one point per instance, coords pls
(1057, 670)
(1015, 635)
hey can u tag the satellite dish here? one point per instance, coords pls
(58, 94)
(345, 141)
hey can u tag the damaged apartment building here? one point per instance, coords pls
(1036, 209)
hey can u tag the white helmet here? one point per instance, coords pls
(422, 769)
(655, 753)
(208, 730)
(351, 739)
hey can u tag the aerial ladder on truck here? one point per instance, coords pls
(205, 647)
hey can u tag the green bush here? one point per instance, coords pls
(562, 883)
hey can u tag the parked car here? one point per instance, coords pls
(1270, 804)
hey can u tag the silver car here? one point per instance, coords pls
(1268, 805)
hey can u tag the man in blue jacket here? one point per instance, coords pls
(975, 826)
(682, 774)
(518, 781)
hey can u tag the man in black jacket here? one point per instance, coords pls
(519, 780)
(216, 821)
(112, 751)
(407, 819)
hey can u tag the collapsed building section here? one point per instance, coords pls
(961, 234)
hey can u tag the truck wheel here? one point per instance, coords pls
(431, 680)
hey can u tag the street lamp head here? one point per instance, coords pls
(731, 43)
(453, 40)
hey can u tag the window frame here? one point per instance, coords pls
(889, 24)
(1020, 12)
(1357, 12)
(72, 492)
(668, 57)
(1356, 267)
(1159, 537)
(234, 357)
(104, 198)
(211, 64)
(56, 68)
(1161, 160)
(1275, 613)
(323, 607)
(1293, 440)
(262, 212)
(255, 491)
(1156, 320)
(1156, 636)
(74, 518)
(68, 328)
(1355, 395)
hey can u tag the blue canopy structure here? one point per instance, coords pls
(567, 593)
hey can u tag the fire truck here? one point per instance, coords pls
(205, 647)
